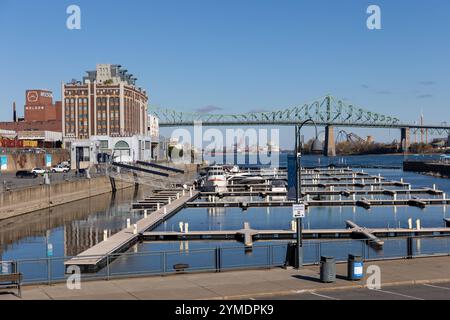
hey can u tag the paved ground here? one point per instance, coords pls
(422, 278)
(8, 181)
(425, 291)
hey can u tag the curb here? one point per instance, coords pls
(341, 288)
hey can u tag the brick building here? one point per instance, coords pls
(106, 107)
(40, 113)
(106, 103)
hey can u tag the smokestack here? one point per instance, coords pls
(14, 112)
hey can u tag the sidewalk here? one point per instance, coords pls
(242, 284)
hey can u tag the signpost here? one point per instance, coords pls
(298, 213)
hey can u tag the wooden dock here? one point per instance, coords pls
(248, 235)
(345, 192)
(320, 203)
(95, 257)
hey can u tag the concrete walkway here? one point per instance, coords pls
(242, 284)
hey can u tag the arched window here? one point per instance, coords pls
(122, 145)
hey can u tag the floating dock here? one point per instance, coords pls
(248, 235)
(95, 257)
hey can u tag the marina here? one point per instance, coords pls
(253, 220)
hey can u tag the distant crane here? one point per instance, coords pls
(349, 137)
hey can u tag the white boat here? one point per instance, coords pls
(216, 179)
(279, 186)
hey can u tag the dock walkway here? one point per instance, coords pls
(95, 256)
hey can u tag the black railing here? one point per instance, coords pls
(52, 269)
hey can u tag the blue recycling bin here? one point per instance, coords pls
(355, 267)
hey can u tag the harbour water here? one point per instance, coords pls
(72, 228)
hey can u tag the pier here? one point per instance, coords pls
(321, 203)
(95, 257)
(248, 235)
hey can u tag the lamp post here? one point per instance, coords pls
(315, 147)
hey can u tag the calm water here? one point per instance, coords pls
(74, 227)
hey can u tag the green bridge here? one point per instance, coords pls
(328, 111)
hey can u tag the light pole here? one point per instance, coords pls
(316, 146)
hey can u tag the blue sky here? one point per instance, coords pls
(238, 55)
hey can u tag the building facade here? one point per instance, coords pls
(106, 103)
(107, 107)
(40, 113)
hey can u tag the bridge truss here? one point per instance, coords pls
(324, 111)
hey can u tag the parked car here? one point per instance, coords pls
(59, 169)
(65, 164)
(26, 174)
(39, 170)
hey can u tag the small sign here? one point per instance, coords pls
(4, 162)
(48, 160)
(358, 270)
(49, 250)
(298, 210)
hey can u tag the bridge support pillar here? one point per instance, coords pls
(330, 147)
(405, 139)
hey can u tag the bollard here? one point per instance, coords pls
(418, 224)
(178, 196)
(158, 206)
(410, 224)
(186, 227)
(145, 214)
(135, 228)
(128, 223)
(293, 225)
(105, 235)
(181, 224)
(183, 193)
(170, 200)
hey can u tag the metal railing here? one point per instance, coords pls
(131, 264)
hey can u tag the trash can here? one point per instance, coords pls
(355, 267)
(327, 269)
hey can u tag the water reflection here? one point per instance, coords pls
(73, 227)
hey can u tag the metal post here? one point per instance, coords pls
(409, 247)
(107, 267)
(298, 168)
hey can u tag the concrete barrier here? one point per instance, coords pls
(17, 202)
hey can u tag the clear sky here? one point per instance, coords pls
(238, 55)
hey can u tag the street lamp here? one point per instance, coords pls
(316, 146)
